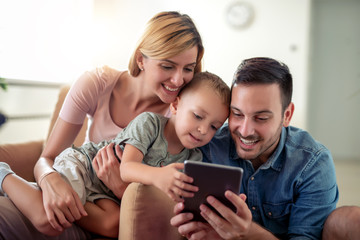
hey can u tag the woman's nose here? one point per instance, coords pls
(178, 79)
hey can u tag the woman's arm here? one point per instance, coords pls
(168, 179)
(61, 203)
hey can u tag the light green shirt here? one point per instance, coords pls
(146, 133)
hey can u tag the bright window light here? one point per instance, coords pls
(45, 40)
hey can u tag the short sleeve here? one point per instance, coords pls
(141, 132)
(83, 96)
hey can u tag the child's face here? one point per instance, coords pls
(199, 114)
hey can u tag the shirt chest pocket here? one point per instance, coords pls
(277, 210)
(277, 217)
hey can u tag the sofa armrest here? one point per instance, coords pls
(145, 214)
(22, 157)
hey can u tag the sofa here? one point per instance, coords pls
(145, 210)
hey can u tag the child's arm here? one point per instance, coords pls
(168, 179)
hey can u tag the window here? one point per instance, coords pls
(45, 40)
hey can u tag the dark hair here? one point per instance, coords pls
(265, 71)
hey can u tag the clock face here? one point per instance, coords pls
(239, 14)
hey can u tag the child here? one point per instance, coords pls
(163, 144)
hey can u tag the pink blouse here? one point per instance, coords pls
(90, 96)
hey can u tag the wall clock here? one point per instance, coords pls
(239, 14)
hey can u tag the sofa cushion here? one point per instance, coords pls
(18, 153)
(147, 211)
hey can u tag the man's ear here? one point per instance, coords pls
(174, 105)
(289, 111)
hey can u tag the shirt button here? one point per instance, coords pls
(252, 178)
(253, 208)
(269, 213)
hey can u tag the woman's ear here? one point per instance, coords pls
(174, 105)
(140, 60)
(289, 111)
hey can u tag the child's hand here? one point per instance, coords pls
(175, 183)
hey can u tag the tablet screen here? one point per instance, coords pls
(212, 179)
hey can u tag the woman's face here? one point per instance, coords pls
(166, 77)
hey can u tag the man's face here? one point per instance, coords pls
(256, 120)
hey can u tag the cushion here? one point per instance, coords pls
(147, 211)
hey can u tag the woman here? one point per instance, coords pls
(165, 59)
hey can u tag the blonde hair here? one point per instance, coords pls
(167, 34)
(207, 79)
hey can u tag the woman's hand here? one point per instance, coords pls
(175, 183)
(62, 204)
(107, 168)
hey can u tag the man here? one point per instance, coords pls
(289, 185)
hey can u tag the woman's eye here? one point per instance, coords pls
(189, 69)
(166, 67)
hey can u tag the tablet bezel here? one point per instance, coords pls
(212, 179)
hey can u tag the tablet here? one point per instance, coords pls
(212, 179)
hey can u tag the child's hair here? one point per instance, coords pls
(167, 34)
(207, 79)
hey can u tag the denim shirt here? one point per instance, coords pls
(291, 194)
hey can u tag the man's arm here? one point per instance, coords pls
(317, 195)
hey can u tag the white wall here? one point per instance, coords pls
(280, 30)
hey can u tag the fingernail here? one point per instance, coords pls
(211, 199)
(228, 193)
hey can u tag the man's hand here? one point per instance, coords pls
(237, 225)
(190, 229)
(233, 225)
